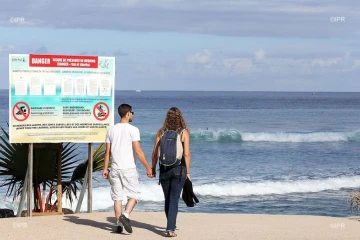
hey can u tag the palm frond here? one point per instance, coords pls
(14, 162)
(71, 188)
(98, 163)
(355, 200)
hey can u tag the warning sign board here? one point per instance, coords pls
(21, 111)
(101, 111)
(60, 98)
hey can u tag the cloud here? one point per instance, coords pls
(41, 50)
(325, 62)
(238, 65)
(22, 49)
(276, 66)
(356, 64)
(17, 49)
(83, 53)
(259, 54)
(120, 53)
(200, 57)
(4, 50)
(256, 18)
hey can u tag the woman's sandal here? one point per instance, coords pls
(171, 234)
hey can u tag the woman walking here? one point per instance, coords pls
(173, 138)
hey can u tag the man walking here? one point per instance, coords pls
(123, 140)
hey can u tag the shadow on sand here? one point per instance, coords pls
(110, 226)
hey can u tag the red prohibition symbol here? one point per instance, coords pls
(101, 111)
(21, 111)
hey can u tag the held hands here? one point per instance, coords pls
(188, 176)
(149, 173)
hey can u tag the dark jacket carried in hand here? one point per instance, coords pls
(188, 195)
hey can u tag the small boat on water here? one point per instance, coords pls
(138, 90)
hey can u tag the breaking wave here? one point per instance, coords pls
(225, 136)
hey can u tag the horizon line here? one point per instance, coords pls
(168, 90)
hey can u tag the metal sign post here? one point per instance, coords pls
(30, 179)
(89, 180)
(23, 194)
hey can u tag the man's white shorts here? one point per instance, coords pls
(124, 179)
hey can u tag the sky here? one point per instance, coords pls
(196, 45)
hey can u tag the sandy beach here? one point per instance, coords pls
(150, 225)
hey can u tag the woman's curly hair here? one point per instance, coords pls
(174, 120)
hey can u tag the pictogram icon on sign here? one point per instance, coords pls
(21, 111)
(101, 111)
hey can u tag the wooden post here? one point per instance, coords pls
(82, 193)
(23, 194)
(90, 171)
(59, 186)
(30, 178)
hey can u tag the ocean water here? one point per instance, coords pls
(252, 152)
